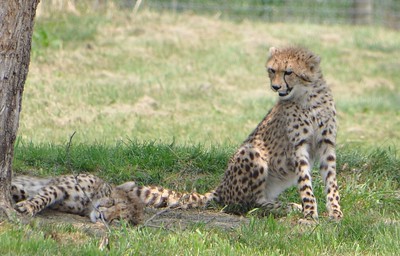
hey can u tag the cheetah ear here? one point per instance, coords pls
(272, 51)
(317, 59)
(314, 62)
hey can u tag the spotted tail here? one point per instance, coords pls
(160, 197)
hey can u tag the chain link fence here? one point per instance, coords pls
(366, 12)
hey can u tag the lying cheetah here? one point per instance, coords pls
(84, 194)
(280, 152)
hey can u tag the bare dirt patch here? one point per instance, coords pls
(146, 106)
(173, 219)
(183, 218)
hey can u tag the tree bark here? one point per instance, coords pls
(16, 26)
(361, 12)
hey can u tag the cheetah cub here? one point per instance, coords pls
(84, 194)
(280, 152)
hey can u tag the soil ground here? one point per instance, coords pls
(174, 219)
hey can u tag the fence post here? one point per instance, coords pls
(174, 6)
(361, 12)
(392, 15)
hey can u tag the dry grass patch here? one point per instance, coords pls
(196, 79)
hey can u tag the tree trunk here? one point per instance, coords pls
(362, 12)
(16, 26)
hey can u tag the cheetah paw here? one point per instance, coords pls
(96, 215)
(293, 207)
(307, 221)
(336, 215)
(25, 208)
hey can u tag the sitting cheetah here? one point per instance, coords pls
(84, 194)
(280, 152)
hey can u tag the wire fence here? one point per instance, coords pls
(366, 12)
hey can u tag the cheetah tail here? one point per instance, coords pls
(160, 197)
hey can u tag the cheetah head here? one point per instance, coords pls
(119, 205)
(292, 71)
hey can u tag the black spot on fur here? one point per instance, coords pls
(328, 141)
(300, 143)
(251, 156)
(255, 174)
(307, 200)
(304, 188)
(330, 158)
(303, 163)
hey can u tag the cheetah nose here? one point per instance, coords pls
(276, 87)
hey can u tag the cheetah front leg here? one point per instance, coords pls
(304, 184)
(277, 207)
(328, 173)
(46, 197)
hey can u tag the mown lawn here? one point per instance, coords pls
(165, 99)
(195, 79)
(369, 185)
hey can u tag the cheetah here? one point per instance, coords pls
(280, 152)
(83, 194)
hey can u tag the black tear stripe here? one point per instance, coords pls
(287, 85)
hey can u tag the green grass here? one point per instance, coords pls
(195, 79)
(165, 99)
(369, 184)
(357, 237)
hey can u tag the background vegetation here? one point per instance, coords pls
(165, 98)
(195, 79)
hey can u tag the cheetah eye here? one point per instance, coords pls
(288, 73)
(271, 70)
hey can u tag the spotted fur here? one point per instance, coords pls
(280, 152)
(84, 194)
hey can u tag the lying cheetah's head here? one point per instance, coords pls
(292, 71)
(119, 205)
